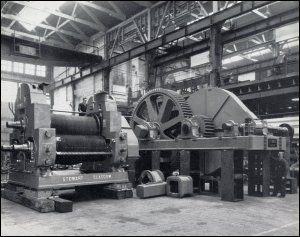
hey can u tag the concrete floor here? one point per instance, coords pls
(197, 215)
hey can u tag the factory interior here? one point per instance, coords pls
(149, 118)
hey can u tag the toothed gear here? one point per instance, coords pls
(164, 107)
(206, 125)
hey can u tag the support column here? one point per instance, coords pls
(133, 169)
(106, 85)
(215, 6)
(232, 175)
(51, 79)
(197, 168)
(185, 163)
(287, 153)
(159, 80)
(129, 81)
(259, 173)
(215, 55)
(149, 24)
(73, 97)
(150, 71)
(275, 48)
(155, 160)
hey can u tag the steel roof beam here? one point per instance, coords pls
(50, 54)
(143, 3)
(65, 22)
(119, 16)
(51, 42)
(236, 35)
(77, 28)
(65, 39)
(48, 27)
(202, 8)
(116, 8)
(60, 26)
(260, 14)
(63, 15)
(205, 23)
(92, 16)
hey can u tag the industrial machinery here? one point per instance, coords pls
(204, 132)
(51, 151)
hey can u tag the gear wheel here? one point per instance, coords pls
(165, 108)
(206, 125)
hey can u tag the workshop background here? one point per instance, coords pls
(188, 102)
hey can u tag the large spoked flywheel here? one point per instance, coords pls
(165, 108)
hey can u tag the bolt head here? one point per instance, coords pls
(48, 162)
(48, 134)
(122, 136)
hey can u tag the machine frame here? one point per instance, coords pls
(208, 128)
(45, 147)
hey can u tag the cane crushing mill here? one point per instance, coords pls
(208, 132)
(45, 148)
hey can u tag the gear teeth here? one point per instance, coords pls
(207, 125)
(184, 107)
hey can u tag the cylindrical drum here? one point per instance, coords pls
(77, 149)
(74, 125)
(79, 143)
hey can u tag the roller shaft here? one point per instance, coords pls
(79, 143)
(15, 147)
(14, 124)
(74, 125)
(77, 149)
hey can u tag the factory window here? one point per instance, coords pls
(18, 67)
(30, 69)
(8, 93)
(40, 71)
(6, 65)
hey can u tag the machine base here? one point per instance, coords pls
(114, 191)
(118, 194)
(66, 179)
(47, 200)
(38, 202)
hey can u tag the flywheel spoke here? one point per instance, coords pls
(165, 110)
(152, 113)
(138, 120)
(170, 123)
